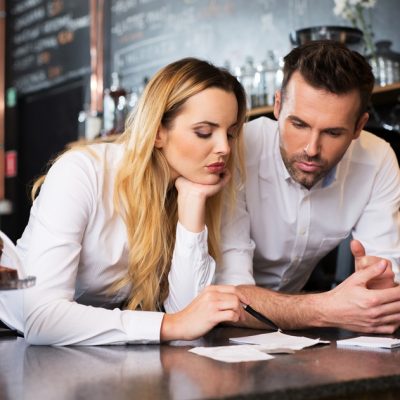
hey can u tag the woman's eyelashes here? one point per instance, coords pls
(206, 135)
(203, 134)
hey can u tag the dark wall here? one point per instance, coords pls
(47, 122)
(48, 67)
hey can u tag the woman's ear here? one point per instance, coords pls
(161, 138)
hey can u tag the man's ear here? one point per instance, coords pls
(360, 124)
(161, 138)
(277, 103)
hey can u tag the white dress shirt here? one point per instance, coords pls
(280, 230)
(76, 245)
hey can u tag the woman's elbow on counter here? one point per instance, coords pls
(41, 329)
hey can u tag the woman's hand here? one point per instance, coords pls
(186, 187)
(192, 201)
(214, 305)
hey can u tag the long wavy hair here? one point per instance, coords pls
(144, 194)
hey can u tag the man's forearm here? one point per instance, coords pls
(350, 305)
(288, 311)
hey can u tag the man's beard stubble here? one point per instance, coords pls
(306, 179)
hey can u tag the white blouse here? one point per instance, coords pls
(76, 245)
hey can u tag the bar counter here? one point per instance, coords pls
(169, 371)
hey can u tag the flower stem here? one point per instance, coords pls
(367, 34)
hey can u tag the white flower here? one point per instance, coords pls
(340, 5)
(347, 8)
(354, 11)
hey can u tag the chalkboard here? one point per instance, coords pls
(48, 42)
(148, 34)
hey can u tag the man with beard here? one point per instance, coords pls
(314, 177)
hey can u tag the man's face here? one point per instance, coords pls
(316, 127)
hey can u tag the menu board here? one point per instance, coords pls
(148, 34)
(48, 42)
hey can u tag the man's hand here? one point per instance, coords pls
(362, 261)
(352, 305)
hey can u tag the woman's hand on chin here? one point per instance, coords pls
(187, 187)
(192, 200)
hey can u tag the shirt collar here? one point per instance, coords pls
(330, 177)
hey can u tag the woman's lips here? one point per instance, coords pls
(216, 168)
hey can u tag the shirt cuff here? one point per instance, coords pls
(142, 326)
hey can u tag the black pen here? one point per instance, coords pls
(260, 317)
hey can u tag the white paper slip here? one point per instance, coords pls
(278, 340)
(232, 353)
(371, 342)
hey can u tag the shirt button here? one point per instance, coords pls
(302, 232)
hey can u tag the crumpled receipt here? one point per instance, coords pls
(256, 347)
(232, 353)
(278, 340)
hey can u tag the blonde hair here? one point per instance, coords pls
(144, 195)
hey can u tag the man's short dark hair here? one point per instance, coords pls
(330, 65)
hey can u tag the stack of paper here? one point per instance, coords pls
(371, 342)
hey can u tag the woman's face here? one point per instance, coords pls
(197, 145)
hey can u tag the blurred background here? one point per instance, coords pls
(74, 69)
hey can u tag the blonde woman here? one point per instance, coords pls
(125, 229)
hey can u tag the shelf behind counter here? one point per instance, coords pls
(381, 94)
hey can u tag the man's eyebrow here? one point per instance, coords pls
(337, 129)
(293, 118)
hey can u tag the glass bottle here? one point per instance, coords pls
(108, 112)
(114, 106)
(118, 94)
(387, 63)
(248, 77)
(271, 69)
(279, 73)
(260, 86)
